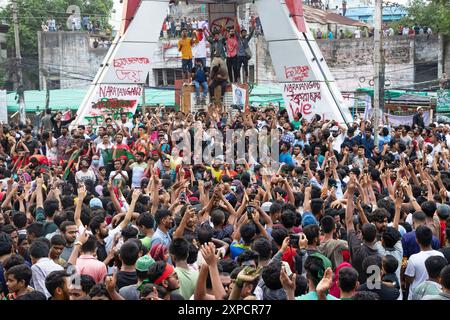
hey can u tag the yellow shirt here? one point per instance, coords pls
(185, 46)
(174, 161)
(215, 173)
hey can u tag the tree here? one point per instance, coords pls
(434, 14)
(32, 13)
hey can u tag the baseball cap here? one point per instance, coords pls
(266, 206)
(95, 202)
(326, 262)
(443, 211)
(143, 263)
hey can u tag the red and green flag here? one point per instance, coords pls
(70, 163)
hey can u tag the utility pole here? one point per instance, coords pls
(378, 96)
(19, 78)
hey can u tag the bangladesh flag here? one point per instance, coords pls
(71, 161)
(107, 155)
(124, 152)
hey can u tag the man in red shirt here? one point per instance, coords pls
(232, 58)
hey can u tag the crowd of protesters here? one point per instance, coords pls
(116, 212)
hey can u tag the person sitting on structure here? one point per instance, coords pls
(199, 78)
(219, 77)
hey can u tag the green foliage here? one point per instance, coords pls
(32, 13)
(434, 14)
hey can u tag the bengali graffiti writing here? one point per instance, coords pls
(130, 68)
(296, 73)
(301, 97)
(304, 97)
(122, 62)
(133, 75)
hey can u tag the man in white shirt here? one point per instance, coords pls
(104, 145)
(416, 272)
(42, 266)
(137, 170)
(199, 50)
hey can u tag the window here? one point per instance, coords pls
(251, 73)
(159, 80)
(167, 77)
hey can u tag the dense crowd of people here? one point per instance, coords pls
(119, 212)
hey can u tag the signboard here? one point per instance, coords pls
(113, 99)
(443, 101)
(110, 108)
(396, 121)
(221, 16)
(3, 107)
(305, 98)
(118, 85)
(239, 95)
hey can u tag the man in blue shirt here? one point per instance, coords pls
(384, 138)
(285, 155)
(368, 142)
(409, 243)
(199, 79)
(164, 221)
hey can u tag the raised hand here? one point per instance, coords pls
(398, 198)
(136, 194)
(325, 284)
(82, 192)
(111, 282)
(208, 251)
(288, 284)
(84, 236)
(302, 241)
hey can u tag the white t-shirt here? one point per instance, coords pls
(416, 268)
(118, 177)
(52, 153)
(199, 50)
(338, 141)
(81, 176)
(138, 170)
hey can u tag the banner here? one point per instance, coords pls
(305, 98)
(396, 121)
(443, 101)
(110, 108)
(3, 107)
(239, 95)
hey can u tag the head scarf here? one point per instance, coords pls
(334, 290)
(158, 251)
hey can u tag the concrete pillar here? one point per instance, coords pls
(441, 61)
